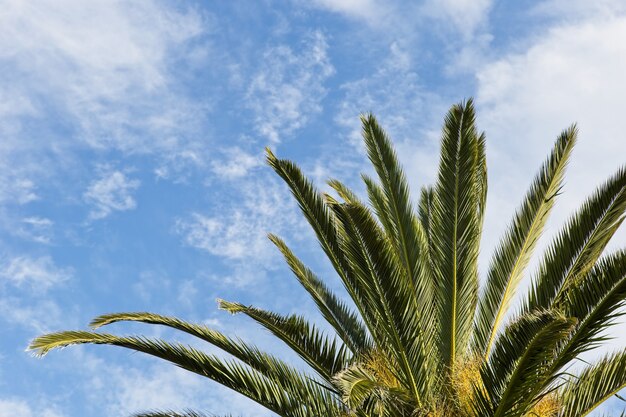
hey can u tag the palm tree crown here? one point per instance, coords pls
(422, 338)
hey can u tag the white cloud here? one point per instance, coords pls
(112, 192)
(466, 16)
(363, 9)
(37, 229)
(394, 94)
(237, 231)
(578, 9)
(36, 314)
(572, 73)
(17, 407)
(240, 232)
(289, 87)
(99, 75)
(403, 20)
(16, 190)
(235, 163)
(38, 273)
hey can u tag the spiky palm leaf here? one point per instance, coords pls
(423, 340)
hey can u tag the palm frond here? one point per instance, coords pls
(518, 361)
(171, 413)
(425, 216)
(596, 301)
(322, 353)
(580, 243)
(322, 218)
(343, 319)
(258, 360)
(392, 301)
(456, 228)
(516, 247)
(294, 394)
(482, 183)
(398, 218)
(594, 385)
(343, 191)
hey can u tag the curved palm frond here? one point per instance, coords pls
(170, 413)
(287, 392)
(320, 352)
(516, 247)
(400, 220)
(581, 242)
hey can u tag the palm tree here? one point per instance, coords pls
(421, 339)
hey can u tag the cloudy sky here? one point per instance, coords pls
(131, 156)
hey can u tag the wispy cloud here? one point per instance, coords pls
(25, 283)
(234, 163)
(399, 19)
(112, 192)
(36, 229)
(19, 407)
(95, 75)
(464, 16)
(288, 88)
(16, 190)
(237, 231)
(394, 94)
(369, 10)
(37, 273)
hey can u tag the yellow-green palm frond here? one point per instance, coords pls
(516, 247)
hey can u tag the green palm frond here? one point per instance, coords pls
(343, 319)
(322, 353)
(343, 191)
(317, 213)
(594, 385)
(321, 217)
(581, 242)
(291, 394)
(517, 363)
(399, 217)
(378, 267)
(596, 302)
(170, 413)
(516, 247)
(455, 229)
(248, 354)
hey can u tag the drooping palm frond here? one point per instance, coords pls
(170, 413)
(514, 365)
(417, 338)
(322, 353)
(287, 392)
(322, 349)
(516, 247)
(596, 302)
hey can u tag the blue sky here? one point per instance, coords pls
(131, 156)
